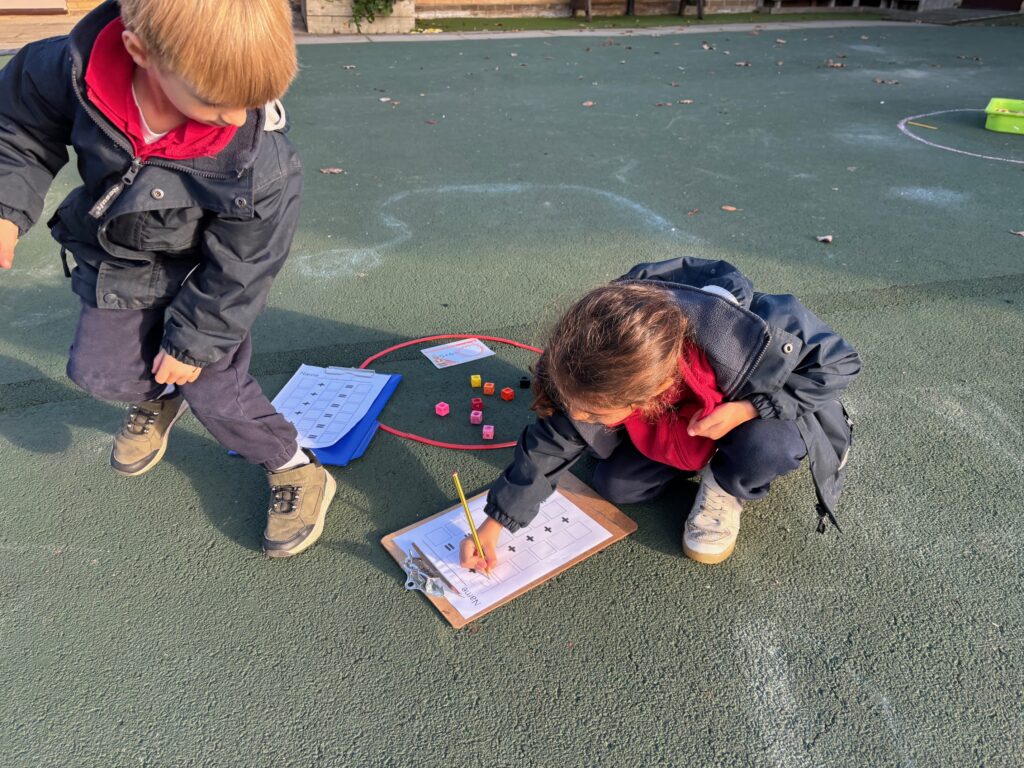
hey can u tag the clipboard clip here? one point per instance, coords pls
(423, 576)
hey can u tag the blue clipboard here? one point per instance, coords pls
(357, 440)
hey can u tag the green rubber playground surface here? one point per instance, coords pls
(141, 625)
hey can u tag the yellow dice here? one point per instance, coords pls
(475, 380)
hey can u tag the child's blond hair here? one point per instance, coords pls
(235, 53)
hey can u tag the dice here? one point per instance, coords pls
(508, 394)
(474, 380)
(442, 409)
(477, 403)
(476, 417)
(524, 382)
(488, 431)
(488, 387)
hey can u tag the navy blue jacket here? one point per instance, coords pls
(765, 348)
(203, 237)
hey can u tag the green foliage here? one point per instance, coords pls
(368, 10)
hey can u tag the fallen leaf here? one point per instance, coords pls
(431, 122)
(864, 37)
(332, 171)
(384, 99)
(824, 238)
(730, 208)
(1018, 233)
(880, 81)
(834, 64)
(851, 167)
(663, 104)
(588, 103)
(780, 41)
(694, 212)
(348, 66)
(742, 63)
(707, 46)
(686, 101)
(675, 84)
(514, 55)
(779, 63)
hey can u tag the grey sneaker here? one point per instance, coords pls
(299, 499)
(141, 443)
(709, 535)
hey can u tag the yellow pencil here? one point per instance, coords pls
(469, 517)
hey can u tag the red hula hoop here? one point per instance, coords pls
(427, 440)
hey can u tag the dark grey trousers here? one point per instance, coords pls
(747, 460)
(111, 358)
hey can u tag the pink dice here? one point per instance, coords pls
(477, 403)
(476, 417)
(488, 431)
(442, 409)
(508, 394)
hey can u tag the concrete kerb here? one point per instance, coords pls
(703, 29)
(13, 46)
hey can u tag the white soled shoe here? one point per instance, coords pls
(709, 535)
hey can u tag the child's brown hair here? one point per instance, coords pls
(234, 53)
(614, 347)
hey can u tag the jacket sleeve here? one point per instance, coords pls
(546, 449)
(216, 307)
(36, 111)
(827, 363)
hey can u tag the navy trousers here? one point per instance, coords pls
(111, 358)
(747, 460)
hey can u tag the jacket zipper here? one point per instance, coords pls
(107, 198)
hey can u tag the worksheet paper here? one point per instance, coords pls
(324, 404)
(560, 532)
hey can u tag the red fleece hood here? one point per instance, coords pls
(108, 84)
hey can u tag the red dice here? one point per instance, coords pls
(477, 403)
(508, 394)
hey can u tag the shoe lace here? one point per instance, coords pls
(140, 420)
(713, 509)
(284, 499)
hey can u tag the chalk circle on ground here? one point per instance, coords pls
(439, 443)
(906, 130)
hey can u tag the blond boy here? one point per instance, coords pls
(189, 202)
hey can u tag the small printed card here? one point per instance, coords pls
(457, 352)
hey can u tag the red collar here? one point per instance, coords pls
(108, 84)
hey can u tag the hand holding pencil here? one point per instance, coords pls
(478, 550)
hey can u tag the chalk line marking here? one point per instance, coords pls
(337, 262)
(778, 717)
(902, 125)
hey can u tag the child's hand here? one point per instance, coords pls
(722, 420)
(8, 239)
(168, 370)
(488, 533)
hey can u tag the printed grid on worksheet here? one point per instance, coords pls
(323, 410)
(560, 532)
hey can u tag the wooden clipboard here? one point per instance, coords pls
(579, 493)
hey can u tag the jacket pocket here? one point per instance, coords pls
(126, 284)
(169, 230)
